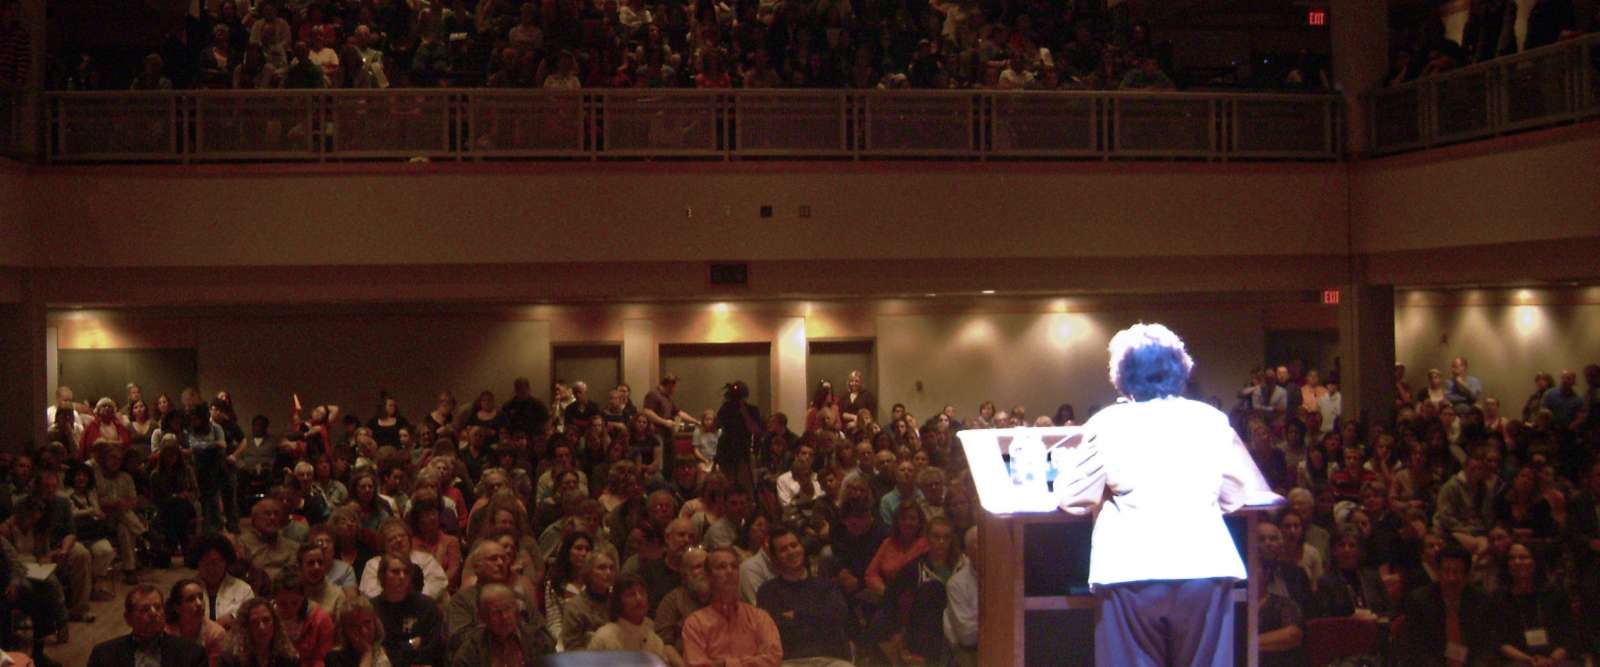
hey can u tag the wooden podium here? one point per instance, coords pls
(1030, 562)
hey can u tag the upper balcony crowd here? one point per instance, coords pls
(569, 44)
(1428, 47)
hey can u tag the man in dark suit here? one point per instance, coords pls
(1447, 622)
(145, 614)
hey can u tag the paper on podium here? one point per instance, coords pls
(1023, 486)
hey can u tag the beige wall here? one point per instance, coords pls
(1041, 360)
(1506, 335)
(531, 213)
(1544, 187)
(1033, 351)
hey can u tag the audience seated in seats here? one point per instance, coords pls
(50, 538)
(358, 635)
(186, 618)
(215, 558)
(960, 620)
(1282, 629)
(630, 628)
(588, 609)
(258, 639)
(726, 629)
(147, 643)
(396, 536)
(40, 599)
(413, 628)
(1448, 621)
(1531, 621)
(680, 602)
(829, 578)
(315, 584)
(500, 632)
(308, 626)
(1282, 577)
(811, 612)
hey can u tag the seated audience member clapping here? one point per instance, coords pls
(630, 629)
(727, 631)
(500, 636)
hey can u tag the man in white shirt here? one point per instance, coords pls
(961, 605)
(1158, 471)
(64, 401)
(323, 56)
(799, 484)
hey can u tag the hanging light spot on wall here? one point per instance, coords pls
(1061, 329)
(1527, 319)
(721, 308)
(977, 331)
(1058, 306)
(1524, 296)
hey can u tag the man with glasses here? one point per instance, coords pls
(147, 643)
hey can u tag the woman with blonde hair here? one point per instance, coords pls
(358, 635)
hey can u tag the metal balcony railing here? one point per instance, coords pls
(1546, 86)
(485, 124)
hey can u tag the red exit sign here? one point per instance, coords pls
(1317, 17)
(1330, 297)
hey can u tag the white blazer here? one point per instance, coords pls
(1158, 475)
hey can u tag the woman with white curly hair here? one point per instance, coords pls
(1158, 471)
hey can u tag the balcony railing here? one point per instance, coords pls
(484, 124)
(1546, 86)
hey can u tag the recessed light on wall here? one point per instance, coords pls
(988, 291)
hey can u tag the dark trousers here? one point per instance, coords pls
(1184, 623)
(208, 470)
